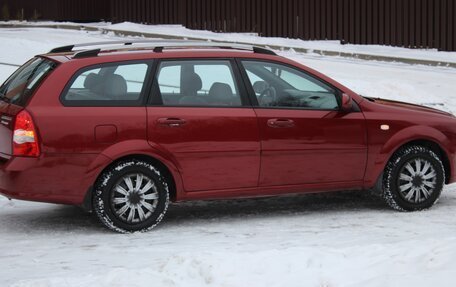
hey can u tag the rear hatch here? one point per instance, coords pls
(14, 95)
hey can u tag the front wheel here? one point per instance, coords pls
(130, 196)
(413, 179)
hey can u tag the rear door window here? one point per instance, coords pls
(198, 83)
(22, 83)
(119, 84)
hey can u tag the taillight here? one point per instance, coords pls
(25, 137)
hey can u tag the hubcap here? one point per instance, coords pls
(134, 198)
(417, 180)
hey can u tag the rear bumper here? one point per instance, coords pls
(50, 178)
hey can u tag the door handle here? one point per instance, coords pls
(171, 122)
(281, 123)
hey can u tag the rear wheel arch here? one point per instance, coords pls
(132, 194)
(153, 161)
(174, 177)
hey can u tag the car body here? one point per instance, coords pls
(207, 149)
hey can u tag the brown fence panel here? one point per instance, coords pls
(407, 23)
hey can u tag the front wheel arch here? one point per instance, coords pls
(420, 186)
(377, 180)
(420, 134)
(433, 146)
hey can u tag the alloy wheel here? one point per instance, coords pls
(417, 180)
(134, 198)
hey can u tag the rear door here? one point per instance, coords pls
(200, 115)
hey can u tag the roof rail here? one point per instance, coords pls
(69, 48)
(159, 46)
(255, 49)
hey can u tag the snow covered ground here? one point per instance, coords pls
(334, 240)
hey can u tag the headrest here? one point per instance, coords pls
(91, 81)
(221, 90)
(115, 87)
(192, 83)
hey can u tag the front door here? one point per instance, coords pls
(305, 138)
(199, 115)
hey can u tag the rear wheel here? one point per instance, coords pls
(131, 196)
(413, 179)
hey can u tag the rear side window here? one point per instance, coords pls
(107, 85)
(198, 83)
(22, 83)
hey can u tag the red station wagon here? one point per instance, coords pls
(124, 128)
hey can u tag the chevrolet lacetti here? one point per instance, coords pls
(124, 128)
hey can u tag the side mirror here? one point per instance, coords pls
(347, 103)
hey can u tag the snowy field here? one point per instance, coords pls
(325, 240)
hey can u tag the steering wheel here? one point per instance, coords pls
(268, 93)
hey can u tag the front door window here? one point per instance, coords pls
(280, 86)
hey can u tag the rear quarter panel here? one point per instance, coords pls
(72, 138)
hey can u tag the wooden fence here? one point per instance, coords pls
(406, 23)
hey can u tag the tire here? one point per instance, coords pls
(413, 179)
(131, 196)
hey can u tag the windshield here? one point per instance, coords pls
(22, 83)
